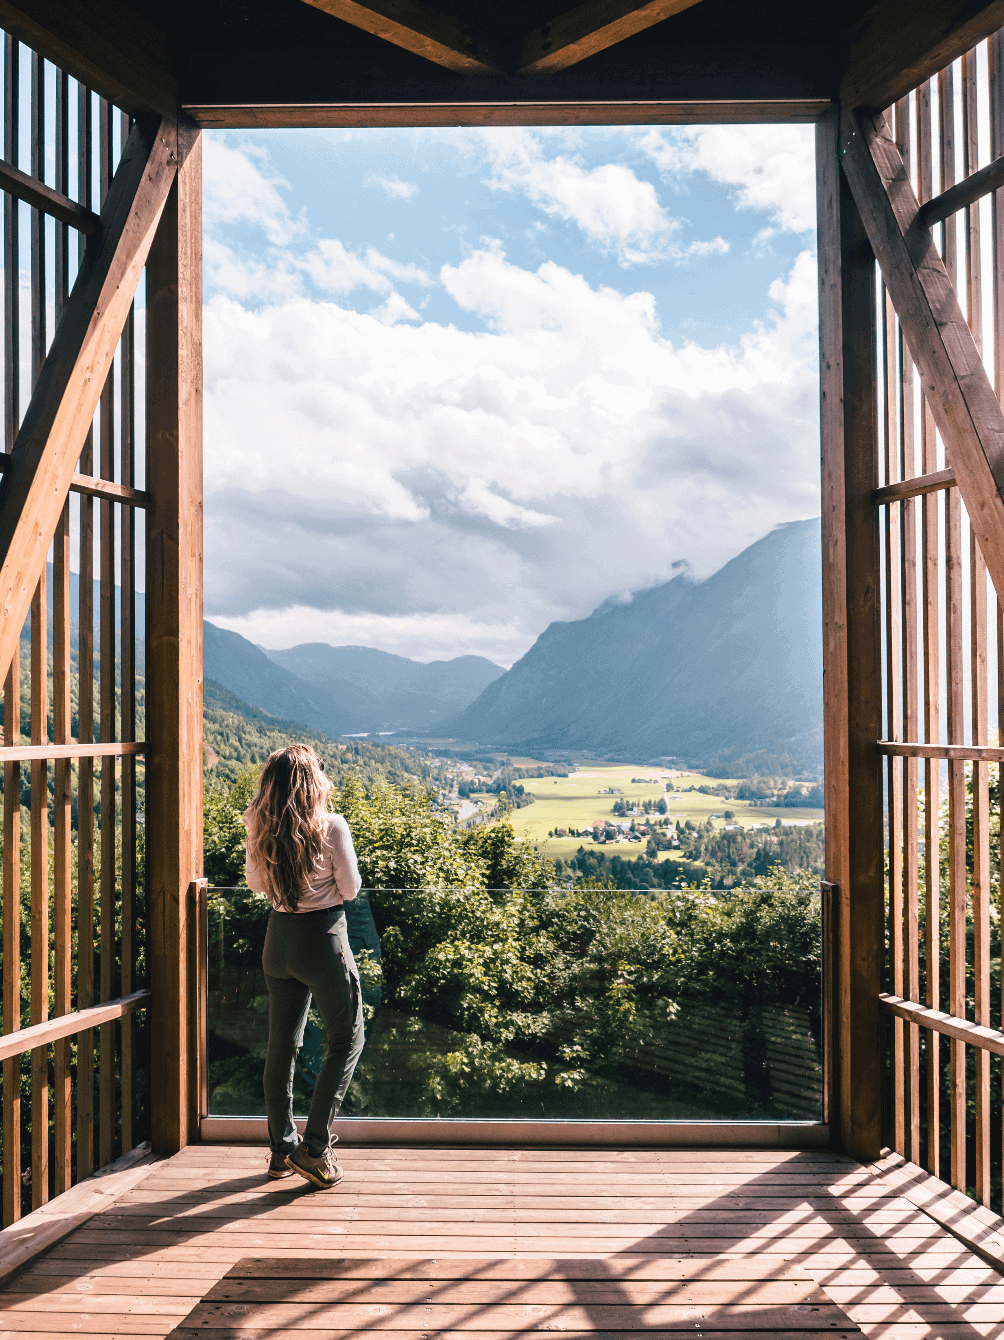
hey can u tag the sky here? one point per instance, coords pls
(461, 383)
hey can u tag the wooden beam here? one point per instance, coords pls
(955, 753)
(963, 193)
(107, 45)
(92, 487)
(852, 680)
(52, 434)
(589, 28)
(953, 378)
(35, 193)
(21, 753)
(664, 86)
(916, 487)
(68, 1025)
(975, 1035)
(416, 27)
(174, 632)
(898, 44)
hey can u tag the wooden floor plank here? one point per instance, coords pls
(629, 1242)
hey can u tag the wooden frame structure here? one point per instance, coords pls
(912, 491)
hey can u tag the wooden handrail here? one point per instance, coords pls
(914, 488)
(963, 193)
(35, 193)
(959, 753)
(988, 1039)
(22, 753)
(66, 1025)
(93, 487)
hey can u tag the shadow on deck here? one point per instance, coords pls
(663, 1242)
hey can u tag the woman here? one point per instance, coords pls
(302, 856)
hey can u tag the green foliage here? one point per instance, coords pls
(519, 992)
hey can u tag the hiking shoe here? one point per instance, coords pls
(323, 1171)
(277, 1165)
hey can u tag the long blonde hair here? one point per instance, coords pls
(286, 820)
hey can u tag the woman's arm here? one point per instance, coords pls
(343, 859)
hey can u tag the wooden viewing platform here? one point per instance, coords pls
(436, 1242)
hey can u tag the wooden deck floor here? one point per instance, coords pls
(733, 1230)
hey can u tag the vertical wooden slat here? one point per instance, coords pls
(39, 703)
(852, 636)
(995, 72)
(174, 632)
(931, 674)
(127, 562)
(956, 830)
(970, 162)
(12, 685)
(894, 774)
(61, 800)
(106, 517)
(909, 973)
(12, 945)
(85, 731)
(981, 861)
(836, 792)
(946, 160)
(39, 898)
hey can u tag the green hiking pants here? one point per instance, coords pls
(307, 955)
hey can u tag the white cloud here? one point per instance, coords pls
(394, 189)
(395, 309)
(613, 207)
(236, 189)
(332, 266)
(433, 490)
(771, 168)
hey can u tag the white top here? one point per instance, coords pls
(335, 878)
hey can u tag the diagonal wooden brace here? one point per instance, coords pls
(37, 477)
(953, 378)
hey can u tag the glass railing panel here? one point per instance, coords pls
(659, 1027)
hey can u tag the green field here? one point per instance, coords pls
(577, 800)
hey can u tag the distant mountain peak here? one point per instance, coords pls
(702, 670)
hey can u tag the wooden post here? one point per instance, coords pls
(174, 631)
(852, 678)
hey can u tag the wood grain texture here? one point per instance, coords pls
(243, 1256)
(836, 776)
(898, 44)
(174, 631)
(953, 379)
(421, 29)
(54, 203)
(39, 841)
(591, 27)
(115, 50)
(56, 422)
(68, 1025)
(957, 887)
(933, 481)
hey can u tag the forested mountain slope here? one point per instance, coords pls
(715, 671)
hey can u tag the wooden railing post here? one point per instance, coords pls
(198, 986)
(174, 633)
(851, 643)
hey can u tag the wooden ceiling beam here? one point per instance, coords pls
(953, 378)
(422, 30)
(898, 44)
(589, 28)
(103, 43)
(668, 86)
(38, 475)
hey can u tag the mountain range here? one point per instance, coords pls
(727, 671)
(344, 690)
